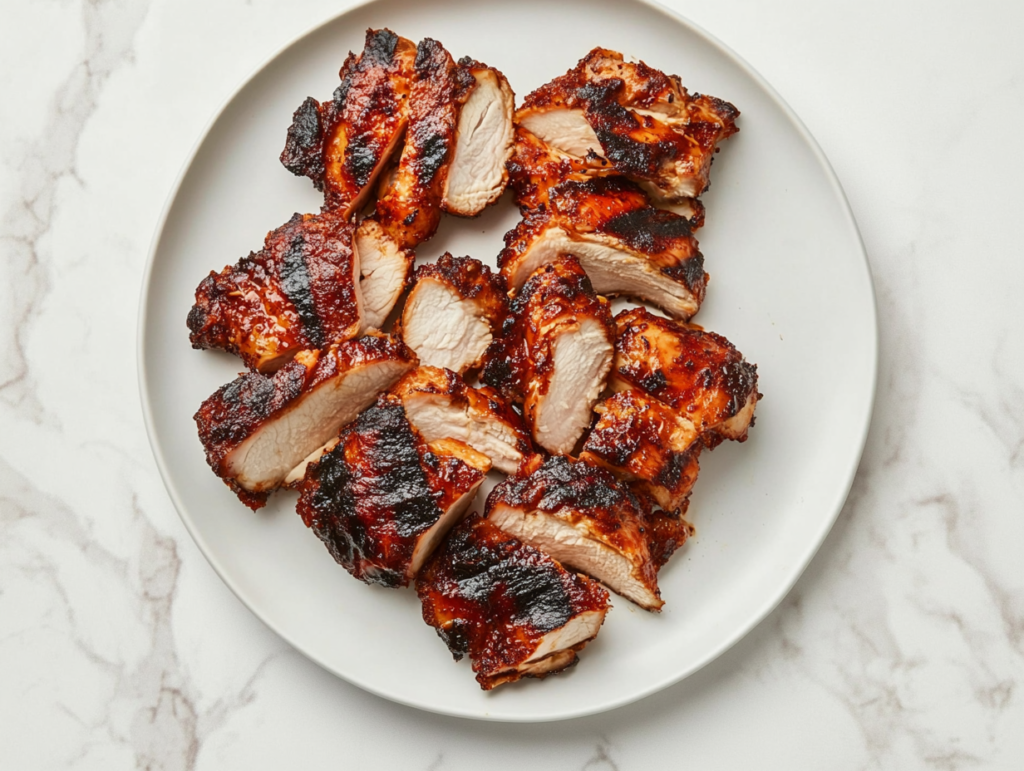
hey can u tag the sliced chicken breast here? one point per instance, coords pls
(554, 354)
(583, 517)
(483, 145)
(452, 312)
(342, 145)
(385, 272)
(699, 374)
(258, 428)
(639, 120)
(644, 441)
(626, 246)
(383, 499)
(513, 610)
(441, 406)
(300, 291)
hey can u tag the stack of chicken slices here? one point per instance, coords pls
(597, 420)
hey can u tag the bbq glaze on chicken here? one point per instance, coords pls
(385, 270)
(583, 517)
(511, 608)
(455, 307)
(409, 209)
(643, 122)
(343, 144)
(554, 354)
(699, 374)
(536, 167)
(440, 405)
(300, 291)
(666, 532)
(646, 442)
(626, 246)
(383, 498)
(258, 428)
(483, 143)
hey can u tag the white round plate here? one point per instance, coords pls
(789, 286)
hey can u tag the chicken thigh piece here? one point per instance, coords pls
(554, 354)
(258, 428)
(300, 291)
(512, 609)
(699, 374)
(382, 499)
(453, 310)
(583, 517)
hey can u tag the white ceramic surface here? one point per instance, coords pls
(789, 286)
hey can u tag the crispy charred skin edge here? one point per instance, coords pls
(608, 90)
(340, 144)
(435, 380)
(556, 295)
(297, 292)
(243, 406)
(472, 280)
(373, 496)
(704, 378)
(640, 439)
(615, 207)
(667, 531)
(410, 208)
(558, 483)
(492, 597)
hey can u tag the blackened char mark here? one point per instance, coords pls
(649, 230)
(303, 148)
(295, 282)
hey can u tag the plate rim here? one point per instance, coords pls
(755, 619)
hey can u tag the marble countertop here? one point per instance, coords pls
(902, 646)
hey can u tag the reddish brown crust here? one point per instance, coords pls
(472, 280)
(699, 374)
(578, 491)
(298, 292)
(654, 149)
(341, 145)
(435, 380)
(493, 598)
(535, 168)
(410, 208)
(555, 297)
(667, 532)
(639, 438)
(240, 408)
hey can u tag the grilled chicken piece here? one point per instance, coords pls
(626, 246)
(440, 405)
(583, 517)
(385, 272)
(536, 167)
(513, 610)
(642, 440)
(643, 122)
(342, 145)
(409, 209)
(554, 354)
(383, 498)
(666, 532)
(452, 312)
(483, 144)
(699, 374)
(258, 428)
(299, 291)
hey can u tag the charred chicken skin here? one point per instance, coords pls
(342, 145)
(300, 291)
(455, 307)
(258, 429)
(643, 122)
(646, 442)
(626, 246)
(382, 499)
(440, 405)
(585, 518)
(511, 608)
(554, 354)
(699, 374)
